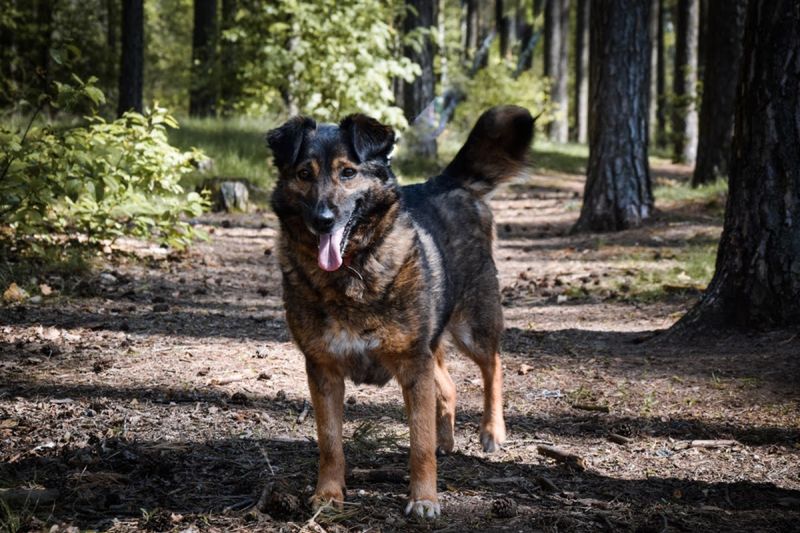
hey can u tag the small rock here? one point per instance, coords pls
(561, 298)
(524, 369)
(262, 352)
(107, 279)
(36, 300)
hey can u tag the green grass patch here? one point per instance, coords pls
(569, 158)
(668, 190)
(237, 147)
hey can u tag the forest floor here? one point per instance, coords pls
(163, 393)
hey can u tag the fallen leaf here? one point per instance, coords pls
(14, 294)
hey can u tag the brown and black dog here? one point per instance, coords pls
(374, 274)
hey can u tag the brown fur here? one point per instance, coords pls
(417, 263)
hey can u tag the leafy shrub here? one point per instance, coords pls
(94, 182)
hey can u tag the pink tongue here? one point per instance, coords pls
(330, 256)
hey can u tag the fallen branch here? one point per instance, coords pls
(547, 484)
(562, 456)
(591, 407)
(22, 497)
(619, 439)
(722, 443)
(378, 475)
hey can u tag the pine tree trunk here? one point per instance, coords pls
(556, 15)
(582, 71)
(684, 115)
(757, 279)
(420, 92)
(131, 71)
(471, 34)
(661, 81)
(44, 23)
(524, 35)
(112, 43)
(702, 38)
(503, 28)
(228, 90)
(724, 53)
(652, 116)
(205, 79)
(618, 193)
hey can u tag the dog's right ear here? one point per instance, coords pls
(369, 138)
(286, 141)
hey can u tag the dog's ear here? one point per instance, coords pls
(286, 141)
(368, 138)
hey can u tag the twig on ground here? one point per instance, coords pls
(619, 439)
(547, 484)
(562, 456)
(591, 407)
(304, 413)
(721, 443)
(21, 497)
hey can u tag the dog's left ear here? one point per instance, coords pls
(369, 138)
(286, 141)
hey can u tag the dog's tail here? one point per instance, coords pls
(496, 150)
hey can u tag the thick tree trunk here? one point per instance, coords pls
(556, 15)
(228, 90)
(757, 279)
(684, 115)
(702, 38)
(524, 35)
(661, 80)
(131, 71)
(205, 80)
(582, 71)
(44, 23)
(618, 193)
(724, 53)
(420, 92)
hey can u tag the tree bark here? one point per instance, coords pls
(44, 23)
(652, 104)
(684, 116)
(205, 80)
(556, 16)
(724, 54)
(702, 38)
(618, 193)
(503, 28)
(112, 43)
(757, 279)
(228, 90)
(661, 81)
(131, 71)
(420, 92)
(471, 33)
(582, 71)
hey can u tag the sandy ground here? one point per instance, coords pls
(165, 394)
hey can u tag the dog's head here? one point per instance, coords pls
(333, 181)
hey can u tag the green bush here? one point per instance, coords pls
(96, 181)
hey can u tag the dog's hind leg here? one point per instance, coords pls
(477, 335)
(445, 404)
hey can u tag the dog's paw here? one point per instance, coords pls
(492, 436)
(424, 508)
(329, 496)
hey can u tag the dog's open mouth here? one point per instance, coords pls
(332, 245)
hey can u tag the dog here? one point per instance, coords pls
(374, 275)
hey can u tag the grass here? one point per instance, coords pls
(236, 146)
(670, 190)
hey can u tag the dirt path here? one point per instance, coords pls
(168, 396)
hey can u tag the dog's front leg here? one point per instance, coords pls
(419, 393)
(327, 396)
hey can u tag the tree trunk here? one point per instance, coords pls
(112, 43)
(702, 38)
(204, 90)
(618, 193)
(524, 35)
(582, 71)
(724, 53)
(471, 33)
(228, 90)
(131, 71)
(44, 28)
(420, 92)
(503, 28)
(661, 81)
(684, 115)
(556, 16)
(652, 104)
(757, 279)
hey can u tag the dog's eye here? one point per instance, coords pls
(303, 174)
(348, 172)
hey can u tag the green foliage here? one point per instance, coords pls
(326, 58)
(94, 182)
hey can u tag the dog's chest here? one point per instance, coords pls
(356, 351)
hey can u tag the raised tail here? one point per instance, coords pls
(496, 150)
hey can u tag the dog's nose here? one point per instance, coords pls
(324, 219)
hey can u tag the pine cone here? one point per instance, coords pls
(278, 502)
(504, 508)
